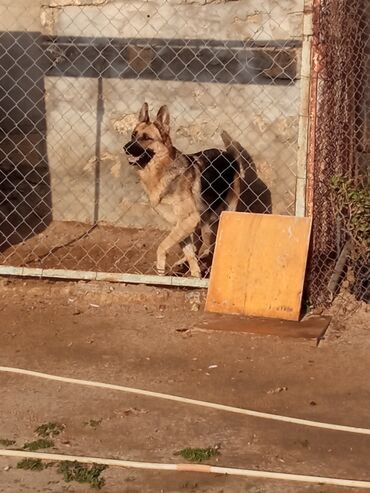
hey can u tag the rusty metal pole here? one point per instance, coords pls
(313, 102)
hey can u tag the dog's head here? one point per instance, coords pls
(149, 139)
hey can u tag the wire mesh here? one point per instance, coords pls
(74, 78)
(339, 185)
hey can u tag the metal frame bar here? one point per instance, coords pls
(78, 275)
(313, 102)
(303, 123)
(300, 202)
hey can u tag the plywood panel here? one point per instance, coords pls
(259, 265)
(313, 327)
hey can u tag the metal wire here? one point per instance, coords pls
(75, 74)
(71, 96)
(340, 177)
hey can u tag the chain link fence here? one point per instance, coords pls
(72, 87)
(339, 186)
(74, 75)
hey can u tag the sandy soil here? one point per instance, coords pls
(142, 337)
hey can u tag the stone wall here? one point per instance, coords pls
(245, 81)
(261, 113)
(25, 196)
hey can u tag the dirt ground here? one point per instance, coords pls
(78, 246)
(141, 337)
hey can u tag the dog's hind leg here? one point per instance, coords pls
(188, 248)
(233, 196)
(207, 239)
(197, 243)
(182, 231)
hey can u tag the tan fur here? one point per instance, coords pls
(173, 189)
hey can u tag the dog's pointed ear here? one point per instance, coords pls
(163, 118)
(144, 114)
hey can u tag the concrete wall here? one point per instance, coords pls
(262, 115)
(20, 15)
(25, 198)
(195, 19)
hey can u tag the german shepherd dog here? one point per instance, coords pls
(188, 190)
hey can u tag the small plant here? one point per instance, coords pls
(31, 465)
(38, 444)
(352, 203)
(6, 443)
(198, 454)
(82, 473)
(48, 430)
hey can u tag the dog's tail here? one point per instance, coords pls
(250, 185)
(235, 150)
(240, 155)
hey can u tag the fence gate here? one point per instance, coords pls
(74, 75)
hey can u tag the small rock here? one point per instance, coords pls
(277, 390)
(135, 411)
(194, 307)
(194, 300)
(6, 468)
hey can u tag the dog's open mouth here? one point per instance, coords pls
(132, 159)
(138, 156)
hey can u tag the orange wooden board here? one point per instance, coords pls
(259, 265)
(312, 327)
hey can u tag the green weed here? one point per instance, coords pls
(50, 429)
(198, 454)
(38, 444)
(6, 443)
(31, 465)
(82, 473)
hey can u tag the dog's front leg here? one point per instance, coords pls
(208, 240)
(181, 231)
(155, 199)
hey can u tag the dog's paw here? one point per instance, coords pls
(161, 272)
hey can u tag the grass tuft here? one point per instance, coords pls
(198, 454)
(31, 465)
(41, 443)
(4, 442)
(82, 473)
(50, 429)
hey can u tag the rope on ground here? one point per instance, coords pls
(186, 400)
(350, 483)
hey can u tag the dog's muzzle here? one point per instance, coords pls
(137, 155)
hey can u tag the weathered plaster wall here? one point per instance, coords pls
(264, 117)
(64, 105)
